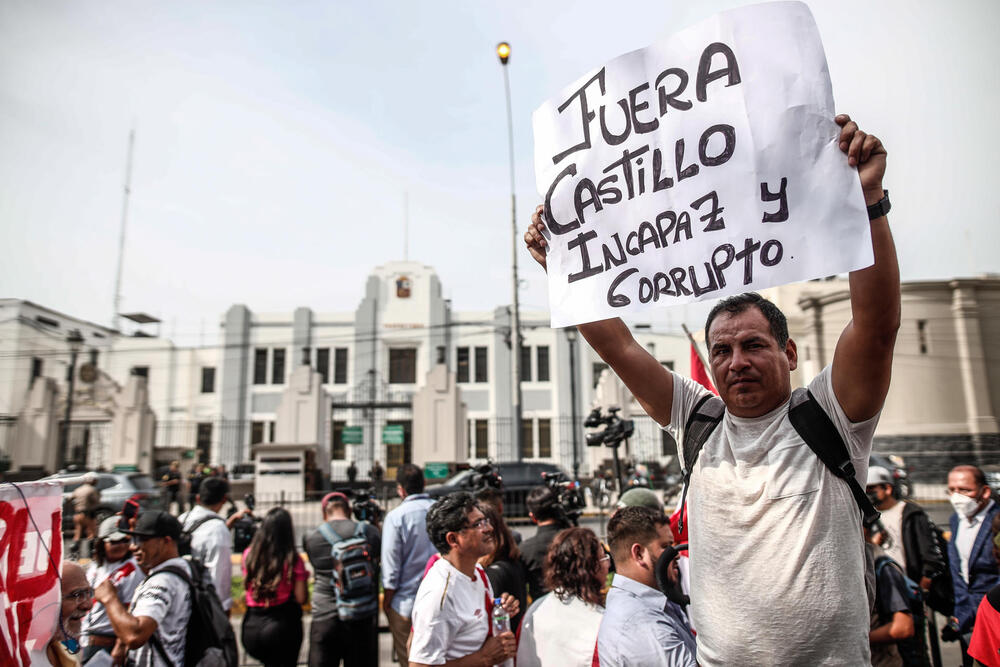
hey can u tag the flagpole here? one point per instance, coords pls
(694, 346)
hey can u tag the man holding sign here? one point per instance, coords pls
(777, 560)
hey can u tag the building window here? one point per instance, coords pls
(462, 364)
(208, 380)
(260, 365)
(527, 439)
(141, 371)
(203, 442)
(36, 370)
(270, 431)
(525, 363)
(482, 439)
(323, 363)
(597, 368)
(340, 365)
(542, 362)
(278, 366)
(669, 365)
(256, 432)
(403, 365)
(338, 450)
(482, 369)
(544, 438)
(922, 335)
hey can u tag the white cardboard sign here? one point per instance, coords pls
(699, 167)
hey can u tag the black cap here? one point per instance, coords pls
(156, 523)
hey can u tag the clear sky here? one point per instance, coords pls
(280, 145)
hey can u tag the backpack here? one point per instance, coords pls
(184, 543)
(912, 650)
(813, 425)
(354, 582)
(210, 640)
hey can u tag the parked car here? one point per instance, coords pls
(518, 480)
(115, 488)
(901, 487)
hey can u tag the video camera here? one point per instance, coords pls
(570, 496)
(366, 508)
(616, 429)
(485, 476)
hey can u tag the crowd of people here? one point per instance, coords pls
(766, 562)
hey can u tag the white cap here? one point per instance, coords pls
(109, 530)
(879, 475)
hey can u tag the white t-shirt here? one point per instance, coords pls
(892, 519)
(166, 599)
(559, 634)
(777, 555)
(449, 614)
(126, 577)
(212, 544)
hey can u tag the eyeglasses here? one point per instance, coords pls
(478, 525)
(124, 540)
(79, 595)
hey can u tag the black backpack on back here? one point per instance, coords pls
(210, 640)
(184, 544)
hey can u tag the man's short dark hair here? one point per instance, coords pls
(490, 496)
(633, 525)
(543, 503)
(411, 478)
(213, 491)
(735, 305)
(448, 515)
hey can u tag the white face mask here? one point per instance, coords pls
(964, 505)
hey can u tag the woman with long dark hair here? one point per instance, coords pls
(504, 567)
(275, 580)
(576, 569)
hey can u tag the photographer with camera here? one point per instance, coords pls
(546, 511)
(333, 637)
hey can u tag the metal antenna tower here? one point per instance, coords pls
(121, 234)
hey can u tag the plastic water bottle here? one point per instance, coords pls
(501, 624)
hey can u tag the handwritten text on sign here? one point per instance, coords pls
(702, 166)
(29, 574)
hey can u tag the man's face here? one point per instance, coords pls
(116, 550)
(750, 370)
(654, 548)
(77, 599)
(964, 483)
(149, 551)
(477, 536)
(878, 493)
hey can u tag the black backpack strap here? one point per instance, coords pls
(159, 649)
(707, 414)
(203, 520)
(816, 428)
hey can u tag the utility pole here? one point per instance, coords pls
(121, 233)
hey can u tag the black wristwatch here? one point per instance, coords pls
(880, 208)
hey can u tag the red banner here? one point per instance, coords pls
(30, 562)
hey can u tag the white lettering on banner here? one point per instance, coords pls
(702, 166)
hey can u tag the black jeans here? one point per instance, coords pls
(273, 635)
(354, 642)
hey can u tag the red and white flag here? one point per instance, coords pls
(698, 372)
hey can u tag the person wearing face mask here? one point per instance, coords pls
(640, 625)
(113, 561)
(973, 569)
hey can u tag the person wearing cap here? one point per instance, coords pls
(161, 605)
(330, 638)
(640, 497)
(909, 533)
(211, 541)
(85, 501)
(113, 561)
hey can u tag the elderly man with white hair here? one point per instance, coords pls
(77, 599)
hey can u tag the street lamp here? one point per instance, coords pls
(75, 342)
(503, 53)
(571, 336)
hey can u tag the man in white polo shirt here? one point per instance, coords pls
(451, 613)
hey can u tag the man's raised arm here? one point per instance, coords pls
(862, 363)
(645, 377)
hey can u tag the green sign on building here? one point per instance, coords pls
(352, 435)
(392, 434)
(435, 471)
